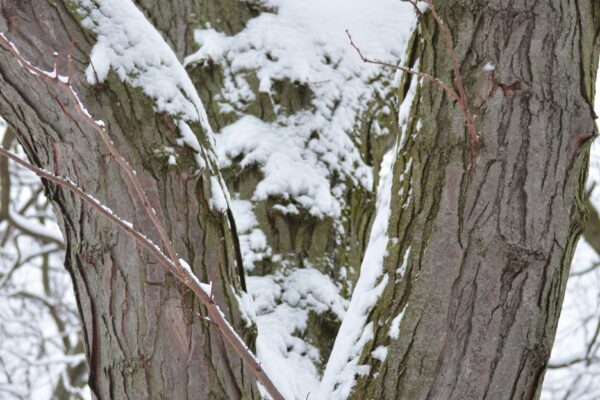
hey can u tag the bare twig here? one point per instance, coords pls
(170, 263)
(463, 103)
(457, 95)
(578, 360)
(451, 92)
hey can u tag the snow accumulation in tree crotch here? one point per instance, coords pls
(355, 332)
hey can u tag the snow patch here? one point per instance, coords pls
(253, 242)
(218, 198)
(282, 303)
(395, 326)
(489, 67)
(380, 353)
(128, 43)
(402, 268)
(304, 43)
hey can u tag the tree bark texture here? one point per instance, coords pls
(294, 240)
(144, 334)
(487, 246)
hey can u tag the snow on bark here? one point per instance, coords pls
(276, 149)
(218, 200)
(307, 157)
(304, 42)
(342, 367)
(128, 43)
(253, 242)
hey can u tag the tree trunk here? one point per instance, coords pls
(144, 332)
(471, 312)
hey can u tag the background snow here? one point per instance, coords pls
(305, 42)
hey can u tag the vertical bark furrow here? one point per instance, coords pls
(490, 246)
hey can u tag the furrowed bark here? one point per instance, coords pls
(488, 249)
(295, 240)
(142, 333)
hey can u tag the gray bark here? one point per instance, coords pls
(143, 336)
(490, 245)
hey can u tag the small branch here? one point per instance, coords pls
(591, 268)
(38, 231)
(428, 77)
(457, 95)
(572, 362)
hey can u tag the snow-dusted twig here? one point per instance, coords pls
(171, 262)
